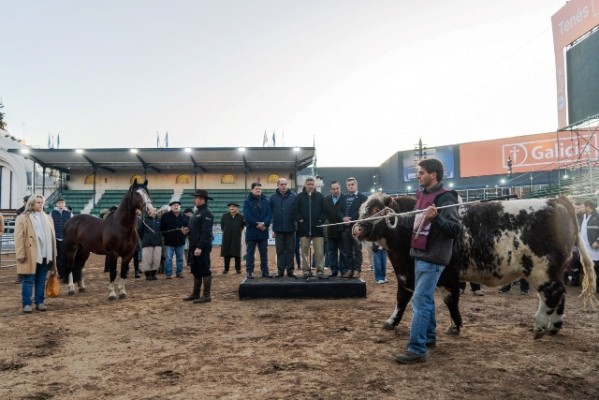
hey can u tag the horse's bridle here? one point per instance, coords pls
(145, 197)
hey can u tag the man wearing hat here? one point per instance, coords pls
(60, 215)
(172, 224)
(232, 224)
(200, 246)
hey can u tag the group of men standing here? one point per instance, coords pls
(300, 216)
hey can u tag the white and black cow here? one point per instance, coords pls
(500, 242)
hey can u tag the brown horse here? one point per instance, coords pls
(114, 236)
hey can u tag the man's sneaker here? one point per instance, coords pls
(381, 281)
(356, 274)
(169, 277)
(266, 275)
(524, 293)
(348, 274)
(250, 275)
(322, 276)
(410, 358)
(291, 274)
(478, 293)
(501, 291)
(41, 307)
(27, 309)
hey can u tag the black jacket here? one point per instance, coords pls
(170, 226)
(309, 212)
(149, 232)
(200, 228)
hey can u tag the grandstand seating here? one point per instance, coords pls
(77, 199)
(114, 197)
(221, 198)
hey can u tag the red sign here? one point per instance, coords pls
(542, 152)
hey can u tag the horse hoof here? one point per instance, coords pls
(554, 332)
(122, 296)
(71, 293)
(539, 334)
(112, 297)
(388, 326)
(453, 330)
(82, 290)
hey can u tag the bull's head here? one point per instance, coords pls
(374, 206)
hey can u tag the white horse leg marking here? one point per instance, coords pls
(390, 323)
(81, 284)
(111, 293)
(122, 293)
(71, 284)
(542, 318)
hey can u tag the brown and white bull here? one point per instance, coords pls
(500, 242)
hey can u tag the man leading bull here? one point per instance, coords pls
(432, 242)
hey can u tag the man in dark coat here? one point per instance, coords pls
(349, 210)
(172, 225)
(283, 226)
(60, 215)
(256, 211)
(309, 212)
(232, 224)
(200, 244)
(333, 233)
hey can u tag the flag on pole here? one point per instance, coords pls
(49, 141)
(166, 139)
(265, 140)
(58, 141)
(274, 140)
(157, 139)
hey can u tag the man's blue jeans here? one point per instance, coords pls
(168, 261)
(424, 324)
(380, 265)
(37, 281)
(262, 249)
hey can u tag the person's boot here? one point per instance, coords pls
(226, 270)
(153, 273)
(195, 295)
(148, 275)
(206, 297)
(137, 273)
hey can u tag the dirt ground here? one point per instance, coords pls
(153, 345)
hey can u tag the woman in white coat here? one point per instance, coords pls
(35, 243)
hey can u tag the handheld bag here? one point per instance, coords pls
(52, 286)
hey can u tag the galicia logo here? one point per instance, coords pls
(544, 152)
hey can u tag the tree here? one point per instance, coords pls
(2, 123)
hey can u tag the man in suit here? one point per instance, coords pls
(333, 202)
(349, 210)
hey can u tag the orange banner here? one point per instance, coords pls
(572, 21)
(542, 152)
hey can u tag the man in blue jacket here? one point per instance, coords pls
(283, 226)
(256, 210)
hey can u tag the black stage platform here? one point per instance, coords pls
(331, 288)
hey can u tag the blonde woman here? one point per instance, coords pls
(35, 243)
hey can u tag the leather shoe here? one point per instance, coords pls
(348, 274)
(410, 358)
(266, 275)
(250, 275)
(280, 275)
(357, 274)
(291, 275)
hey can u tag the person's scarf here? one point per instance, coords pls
(44, 236)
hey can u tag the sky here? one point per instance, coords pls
(360, 79)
